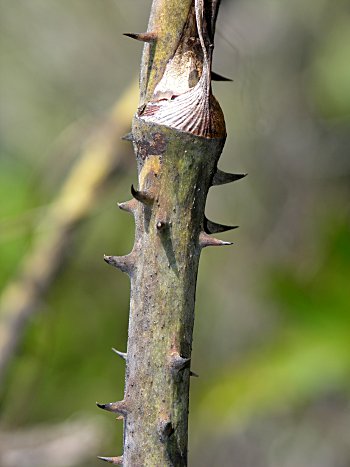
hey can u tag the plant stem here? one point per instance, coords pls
(178, 135)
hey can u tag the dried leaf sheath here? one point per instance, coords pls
(178, 134)
(182, 98)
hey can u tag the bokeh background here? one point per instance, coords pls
(272, 330)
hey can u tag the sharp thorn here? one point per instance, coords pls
(179, 363)
(128, 206)
(221, 178)
(142, 196)
(142, 36)
(124, 263)
(206, 240)
(195, 375)
(217, 77)
(128, 137)
(112, 460)
(165, 430)
(212, 227)
(115, 407)
(121, 354)
(161, 225)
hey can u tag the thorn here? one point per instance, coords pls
(161, 225)
(121, 354)
(128, 137)
(217, 77)
(112, 460)
(221, 178)
(212, 227)
(142, 36)
(128, 206)
(115, 407)
(124, 263)
(165, 430)
(195, 375)
(142, 196)
(179, 363)
(206, 240)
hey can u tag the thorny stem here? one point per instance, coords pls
(178, 134)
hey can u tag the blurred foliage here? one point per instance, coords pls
(272, 331)
(330, 72)
(308, 357)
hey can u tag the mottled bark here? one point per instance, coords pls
(178, 134)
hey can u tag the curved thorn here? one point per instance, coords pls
(112, 460)
(123, 355)
(221, 178)
(217, 77)
(142, 36)
(142, 196)
(124, 263)
(115, 407)
(206, 240)
(212, 227)
(128, 206)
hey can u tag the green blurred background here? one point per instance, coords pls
(272, 330)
